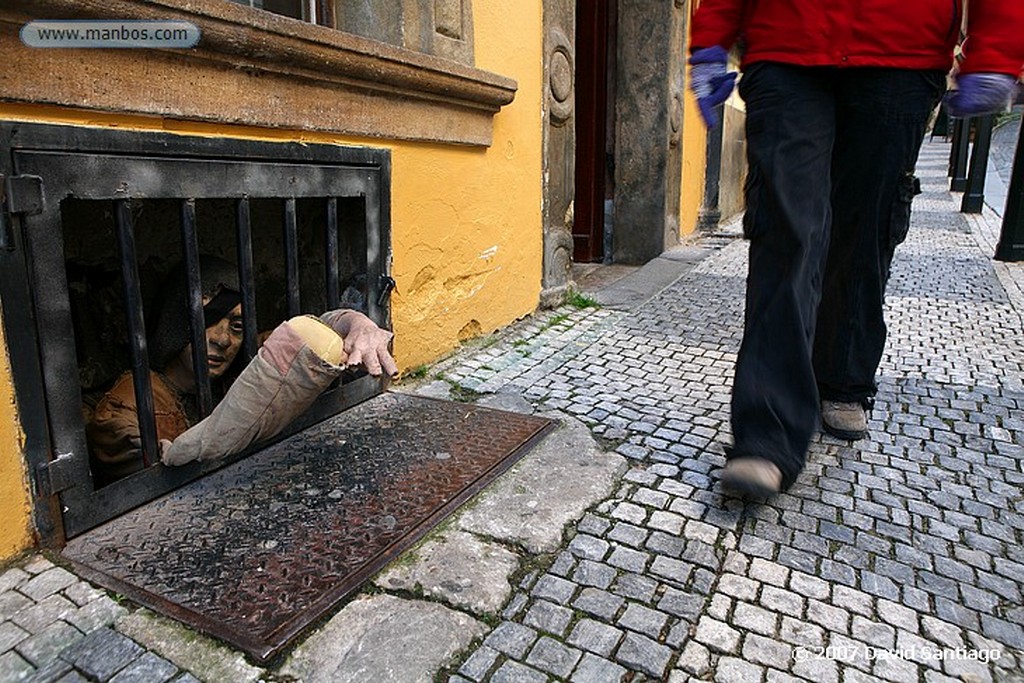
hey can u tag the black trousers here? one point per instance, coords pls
(831, 154)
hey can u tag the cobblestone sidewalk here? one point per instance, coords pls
(899, 558)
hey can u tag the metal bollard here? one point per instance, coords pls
(974, 194)
(1011, 238)
(958, 155)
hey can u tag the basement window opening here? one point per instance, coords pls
(308, 256)
(107, 231)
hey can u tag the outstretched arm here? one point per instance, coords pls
(366, 344)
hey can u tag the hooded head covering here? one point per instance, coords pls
(219, 282)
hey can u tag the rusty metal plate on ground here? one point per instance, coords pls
(257, 551)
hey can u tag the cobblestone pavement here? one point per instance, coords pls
(898, 558)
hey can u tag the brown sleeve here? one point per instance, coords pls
(113, 431)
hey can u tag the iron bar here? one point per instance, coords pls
(333, 290)
(196, 321)
(245, 278)
(136, 332)
(291, 257)
(958, 165)
(1011, 238)
(974, 194)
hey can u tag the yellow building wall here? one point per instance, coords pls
(15, 527)
(694, 141)
(465, 223)
(691, 191)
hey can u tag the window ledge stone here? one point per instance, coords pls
(256, 68)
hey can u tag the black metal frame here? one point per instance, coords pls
(89, 163)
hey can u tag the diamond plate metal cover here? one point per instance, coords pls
(257, 551)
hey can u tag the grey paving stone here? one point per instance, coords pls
(12, 578)
(671, 569)
(149, 668)
(47, 583)
(668, 522)
(55, 670)
(590, 573)
(515, 606)
(628, 559)
(635, 587)
(593, 669)
(38, 616)
(11, 602)
(549, 617)
(511, 638)
(600, 603)
(628, 534)
(829, 616)
(102, 611)
(588, 547)
(734, 670)
(554, 657)
(717, 635)
(10, 635)
(13, 667)
(739, 587)
(593, 525)
(767, 651)
(756, 619)
(37, 564)
(563, 565)
(769, 572)
(643, 654)
(102, 653)
(695, 659)
(801, 633)
(780, 600)
(478, 664)
(643, 620)
(681, 604)
(43, 647)
(594, 636)
(514, 672)
(554, 588)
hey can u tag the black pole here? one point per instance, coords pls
(958, 133)
(1011, 239)
(958, 183)
(710, 212)
(974, 196)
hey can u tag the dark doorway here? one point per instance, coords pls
(595, 127)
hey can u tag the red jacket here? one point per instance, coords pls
(908, 34)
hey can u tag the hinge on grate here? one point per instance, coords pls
(60, 473)
(19, 194)
(24, 194)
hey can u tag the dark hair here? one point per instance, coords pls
(170, 334)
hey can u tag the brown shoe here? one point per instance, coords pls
(847, 421)
(752, 477)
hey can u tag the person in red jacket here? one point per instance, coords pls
(837, 97)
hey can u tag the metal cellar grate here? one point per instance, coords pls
(256, 552)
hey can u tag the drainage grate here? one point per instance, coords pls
(256, 552)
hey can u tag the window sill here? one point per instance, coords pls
(255, 68)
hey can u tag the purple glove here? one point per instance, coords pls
(710, 82)
(978, 94)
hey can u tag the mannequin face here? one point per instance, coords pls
(223, 342)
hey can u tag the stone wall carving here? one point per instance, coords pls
(559, 147)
